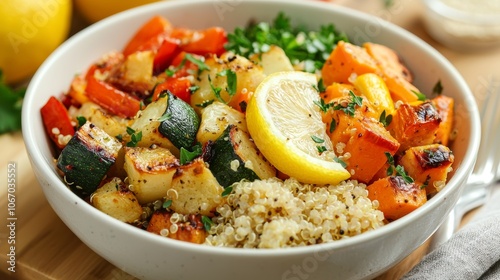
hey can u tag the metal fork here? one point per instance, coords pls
(486, 171)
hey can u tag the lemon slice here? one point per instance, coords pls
(286, 126)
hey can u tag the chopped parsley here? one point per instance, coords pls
(231, 80)
(350, 108)
(187, 156)
(300, 45)
(188, 57)
(338, 160)
(216, 90)
(384, 119)
(207, 222)
(316, 139)
(167, 204)
(420, 95)
(438, 88)
(81, 121)
(227, 191)
(135, 137)
(400, 170)
(205, 103)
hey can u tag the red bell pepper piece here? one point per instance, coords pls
(151, 29)
(202, 42)
(111, 98)
(187, 68)
(177, 86)
(165, 53)
(56, 121)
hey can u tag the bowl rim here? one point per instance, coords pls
(37, 159)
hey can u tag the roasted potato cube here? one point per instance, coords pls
(196, 190)
(396, 197)
(192, 230)
(429, 165)
(248, 76)
(272, 61)
(112, 125)
(415, 125)
(148, 121)
(116, 200)
(214, 120)
(150, 172)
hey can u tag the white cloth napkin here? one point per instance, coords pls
(473, 252)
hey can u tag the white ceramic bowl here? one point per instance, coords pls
(150, 256)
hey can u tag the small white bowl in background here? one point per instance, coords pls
(465, 25)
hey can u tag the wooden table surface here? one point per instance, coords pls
(47, 249)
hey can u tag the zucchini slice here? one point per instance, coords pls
(87, 158)
(234, 157)
(180, 122)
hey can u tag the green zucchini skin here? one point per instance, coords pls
(223, 153)
(182, 123)
(87, 158)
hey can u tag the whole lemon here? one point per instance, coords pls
(29, 31)
(95, 10)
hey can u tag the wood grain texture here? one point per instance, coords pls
(47, 249)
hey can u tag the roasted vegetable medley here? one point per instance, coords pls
(265, 136)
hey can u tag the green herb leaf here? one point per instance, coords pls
(10, 107)
(420, 95)
(333, 125)
(167, 204)
(165, 117)
(81, 121)
(193, 89)
(438, 88)
(321, 149)
(205, 103)
(385, 120)
(316, 139)
(216, 90)
(338, 160)
(227, 191)
(187, 156)
(311, 48)
(201, 65)
(231, 80)
(207, 222)
(350, 108)
(135, 137)
(400, 170)
(321, 86)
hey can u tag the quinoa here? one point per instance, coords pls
(274, 214)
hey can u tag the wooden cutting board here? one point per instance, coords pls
(47, 249)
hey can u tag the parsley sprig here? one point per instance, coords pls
(10, 107)
(135, 137)
(348, 108)
(400, 170)
(300, 45)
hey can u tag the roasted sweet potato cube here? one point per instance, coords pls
(192, 230)
(415, 125)
(429, 165)
(396, 197)
(445, 107)
(345, 60)
(396, 76)
(337, 90)
(367, 148)
(362, 141)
